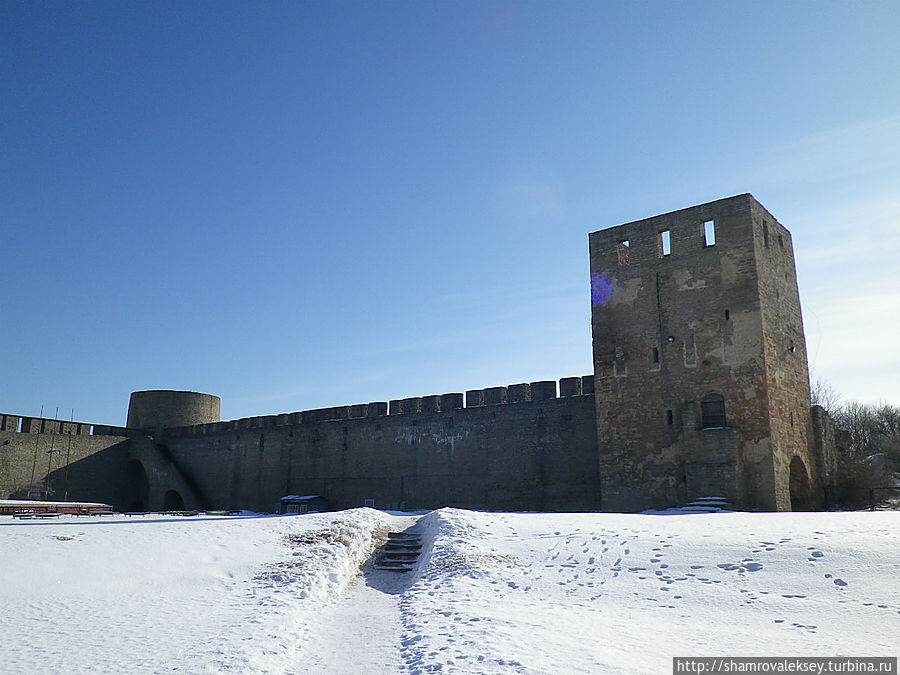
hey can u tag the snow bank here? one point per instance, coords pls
(155, 593)
(325, 555)
(319, 555)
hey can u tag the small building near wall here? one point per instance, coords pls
(301, 504)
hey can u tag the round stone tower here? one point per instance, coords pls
(161, 408)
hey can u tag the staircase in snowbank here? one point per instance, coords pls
(707, 505)
(401, 552)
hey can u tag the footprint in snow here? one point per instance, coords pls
(839, 582)
(741, 567)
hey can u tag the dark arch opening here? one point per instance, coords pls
(172, 501)
(801, 495)
(712, 411)
(137, 486)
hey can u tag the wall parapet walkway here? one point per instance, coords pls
(435, 403)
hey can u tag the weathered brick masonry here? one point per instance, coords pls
(692, 311)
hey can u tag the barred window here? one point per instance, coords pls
(712, 409)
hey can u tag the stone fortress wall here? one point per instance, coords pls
(500, 451)
(700, 387)
(35, 452)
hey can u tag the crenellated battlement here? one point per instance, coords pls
(43, 425)
(432, 404)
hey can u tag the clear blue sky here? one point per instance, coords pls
(296, 205)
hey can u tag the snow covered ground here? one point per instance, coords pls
(492, 593)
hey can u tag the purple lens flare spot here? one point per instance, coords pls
(601, 289)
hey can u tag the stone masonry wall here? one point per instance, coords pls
(33, 462)
(676, 318)
(787, 371)
(531, 455)
(537, 452)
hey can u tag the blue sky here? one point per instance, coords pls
(297, 205)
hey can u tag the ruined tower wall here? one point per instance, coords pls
(677, 318)
(787, 370)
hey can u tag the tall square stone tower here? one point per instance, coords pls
(700, 366)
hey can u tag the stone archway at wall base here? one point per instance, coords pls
(137, 486)
(801, 492)
(173, 501)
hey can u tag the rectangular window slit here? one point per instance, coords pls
(623, 249)
(665, 242)
(709, 232)
(690, 351)
(766, 235)
(669, 417)
(621, 368)
(727, 315)
(655, 355)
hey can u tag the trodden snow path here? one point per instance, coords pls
(362, 632)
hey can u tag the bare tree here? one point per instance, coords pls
(874, 429)
(873, 456)
(823, 394)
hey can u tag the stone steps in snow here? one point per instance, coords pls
(707, 505)
(401, 552)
